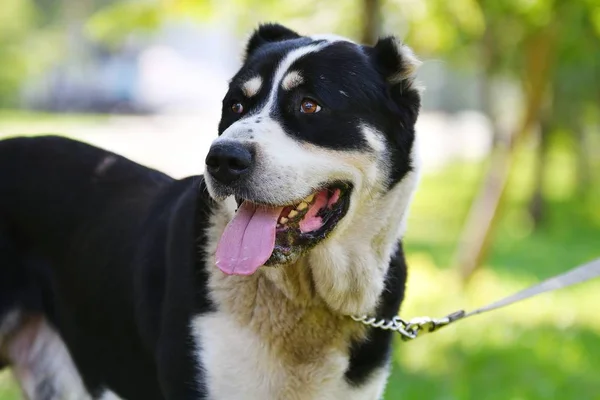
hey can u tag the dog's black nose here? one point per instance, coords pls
(227, 162)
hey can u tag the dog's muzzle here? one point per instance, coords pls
(264, 232)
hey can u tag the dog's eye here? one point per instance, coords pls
(237, 108)
(309, 106)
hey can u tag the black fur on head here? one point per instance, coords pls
(268, 33)
(356, 86)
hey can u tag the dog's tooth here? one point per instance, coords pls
(310, 198)
(292, 214)
(283, 220)
(301, 206)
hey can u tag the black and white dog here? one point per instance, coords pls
(117, 281)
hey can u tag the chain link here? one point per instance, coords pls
(412, 329)
(396, 324)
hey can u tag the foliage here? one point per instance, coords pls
(15, 19)
(499, 36)
(576, 81)
(29, 42)
(115, 22)
(464, 32)
(509, 38)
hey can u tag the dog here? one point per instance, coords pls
(119, 282)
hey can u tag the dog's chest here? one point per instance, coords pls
(238, 364)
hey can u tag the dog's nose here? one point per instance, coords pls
(227, 162)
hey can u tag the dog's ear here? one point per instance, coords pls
(395, 60)
(268, 33)
(397, 63)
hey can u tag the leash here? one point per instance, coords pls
(410, 330)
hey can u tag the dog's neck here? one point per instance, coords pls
(282, 307)
(343, 276)
(302, 311)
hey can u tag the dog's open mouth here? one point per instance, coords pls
(273, 235)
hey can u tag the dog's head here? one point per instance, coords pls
(315, 133)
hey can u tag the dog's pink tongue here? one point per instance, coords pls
(248, 240)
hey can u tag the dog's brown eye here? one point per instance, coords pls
(309, 106)
(237, 108)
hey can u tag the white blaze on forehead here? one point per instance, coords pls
(285, 65)
(292, 80)
(252, 86)
(238, 129)
(330, 38)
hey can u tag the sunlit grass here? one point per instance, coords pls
(544, 348)
(21, 117)
(18, 122)
(8, 390)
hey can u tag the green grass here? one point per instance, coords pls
(27, 123)
(8, 390)
(27, 117)
(544, 348)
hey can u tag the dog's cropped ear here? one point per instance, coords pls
(395, 60)
(268, 33)
(397, 63)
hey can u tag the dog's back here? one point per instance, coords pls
(63, 204)
(49, 185)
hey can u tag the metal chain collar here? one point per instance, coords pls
(412, 329)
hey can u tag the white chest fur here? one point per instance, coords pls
(238, 365)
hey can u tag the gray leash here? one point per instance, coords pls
(410, 330)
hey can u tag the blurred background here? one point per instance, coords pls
(510, 134)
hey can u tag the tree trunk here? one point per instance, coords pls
(584, 164)
(371, 21)
(488, 54)
(484, 214)
(536, 204)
